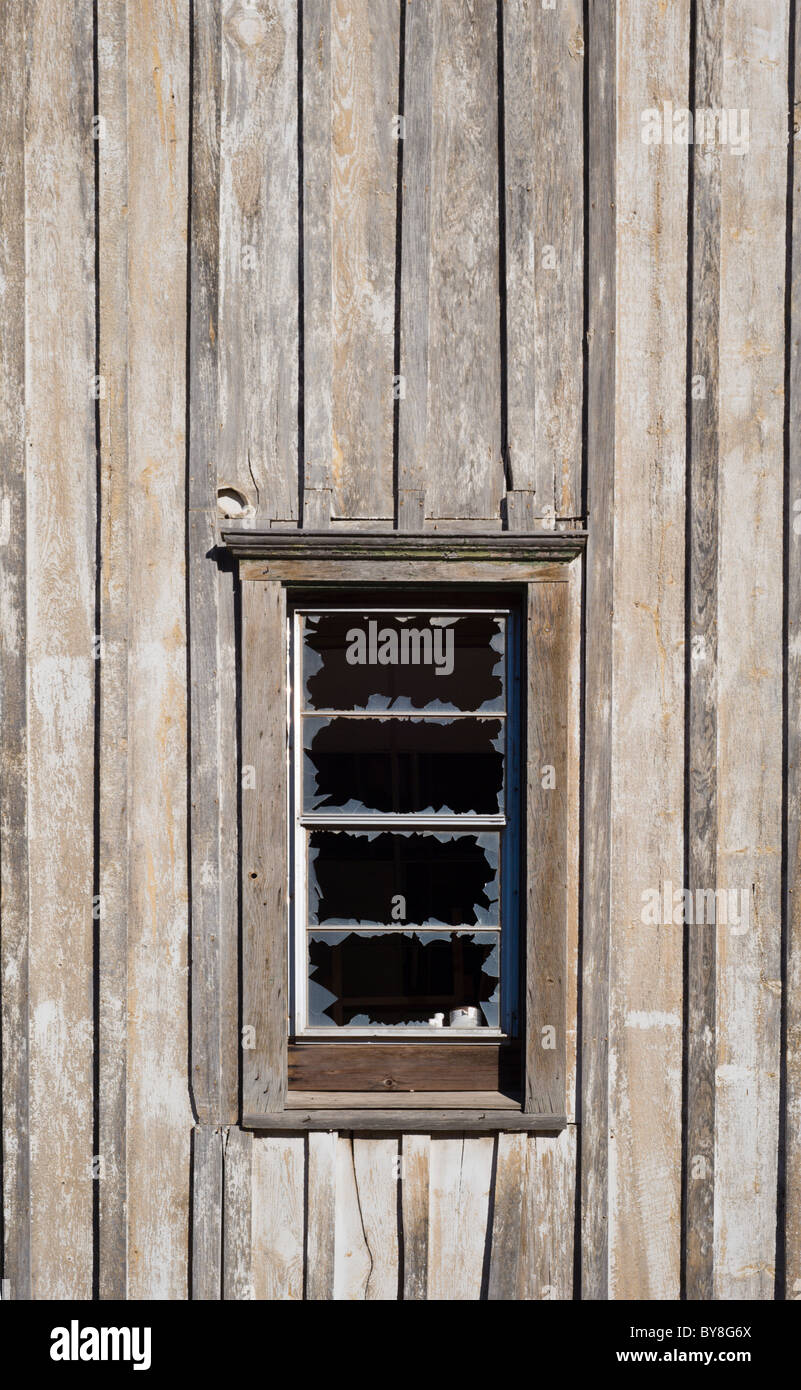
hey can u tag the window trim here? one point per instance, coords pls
(274, 561)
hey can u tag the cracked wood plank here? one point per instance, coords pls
(461, 1177)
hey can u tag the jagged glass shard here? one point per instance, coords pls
(401, 979)
(376, 661)
(419, 877)
(422, 766)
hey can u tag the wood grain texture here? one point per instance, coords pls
(362, 151)
(543, 57)
(258, 289)
(509, 1191)
(451, 445)
(405, 1067)
(547, 648)
(415, 1174)
(264, 812)
(278, 1179)
(159, 1114)
(753, 200)
(212, 655)
(376, 1171)
(791, 1155)
(460, 1181)
(548, 1228)
(353, 1259)
(13, 669)
(61, 512)
(207, 1206)
(487, 1119)
(238, 1199)
(112, 1021)
(701, 601)
(648, 652)
(321, 1159)
(597, 751)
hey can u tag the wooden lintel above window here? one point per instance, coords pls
(281, 547)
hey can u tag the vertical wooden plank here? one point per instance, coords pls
(507, 1220)
(575, 681)
(415, 1151)
(159, 1116)
(238, 1198)
(321, 1212)
(645, 1037)
(543, 59)
(13, 657)
(451, 444)
(353, 1262)
(211, 624)
(701, 656)
(207, 1200)
(792, 1115)
(753, 199)
(376, 1171)
(415, 264)
(318, 264)
(60, 409)
(278, 1179)
(599, 588)
(546, 847)
(461, 1177)
(264, 811)
(547, 1239)
(258, 313)
(364, 164)
(113, 713)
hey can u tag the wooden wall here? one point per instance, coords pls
(410, 265)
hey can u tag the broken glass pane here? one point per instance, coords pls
(361, 979)
(375, 661)
(447, 766)
(383, 877)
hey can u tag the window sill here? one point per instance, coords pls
(420, 1112)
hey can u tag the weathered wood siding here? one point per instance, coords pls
(412, 265)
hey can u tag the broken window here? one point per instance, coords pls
(404, 866)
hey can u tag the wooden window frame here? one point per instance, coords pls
(270, 563)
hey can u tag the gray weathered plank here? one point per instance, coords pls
(112, 1022)
(792, 656)
(238, 1199)
(543, 56)
(459, 1200)
(485, 1120)
(159, 1113)
(61, 513)
(363, 157)
(701, 657)
(211, 623)
(258, 289)
(451, 445)
(278, 1197)
(507, 1217)
(207, 1206)
(599, 463)
(547, 646)
(645, 1026)
(264, 893)
(321, 1159)
(13, 655)
(750, 595)
(415, 1166)
(548, 1227)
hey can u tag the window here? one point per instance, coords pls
(405, 734)
(404, 814)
